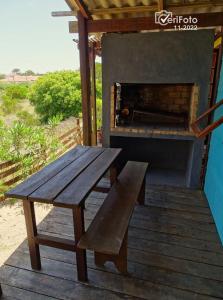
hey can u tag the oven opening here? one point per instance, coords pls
(154, 106)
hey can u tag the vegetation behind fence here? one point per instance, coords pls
(11, 172)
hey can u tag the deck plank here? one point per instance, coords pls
(13, 293)
(141, 223)
(56, 287)
(127, 285)
(173, 253)
(198, 263)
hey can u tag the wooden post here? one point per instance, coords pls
(81, 258)
(30, 219)
(93, 97)
(85, 78)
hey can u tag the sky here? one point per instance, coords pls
(30, 38)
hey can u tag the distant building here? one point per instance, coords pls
(19, 78)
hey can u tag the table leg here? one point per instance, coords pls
(81, 259)
(113, 173)
(141, 199)
(31, 228)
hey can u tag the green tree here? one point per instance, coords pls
(16, 71)
(98, 71)
(2, 76)
(29, 73)
(57, 93)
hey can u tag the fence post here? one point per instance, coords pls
(79, 131)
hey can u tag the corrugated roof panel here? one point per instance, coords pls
(104, 9)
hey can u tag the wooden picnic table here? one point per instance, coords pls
(66, 182)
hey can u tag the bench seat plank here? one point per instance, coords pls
(79, 189)
(48, 191)
(107, 231)
(23, 190)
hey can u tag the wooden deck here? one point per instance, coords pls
(174, 253)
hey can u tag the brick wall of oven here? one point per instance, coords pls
(177, 98)
(170, 98)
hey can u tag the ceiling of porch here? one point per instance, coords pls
(107, 9)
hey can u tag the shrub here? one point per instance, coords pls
(11, 95)
(57, 94)
(27, 118)
(99, 113)
(16, 91)
(3, 85)
(9, 105)
(29, 145)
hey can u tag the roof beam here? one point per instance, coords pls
(138, 24)
(197, 4)
(63, 13)
(174, 7)
(127, 9)
(160, 5)
(83, 9)
(71, 4)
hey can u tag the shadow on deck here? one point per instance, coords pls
(173, 253)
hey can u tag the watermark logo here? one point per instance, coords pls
(165, 17)
(162, 17)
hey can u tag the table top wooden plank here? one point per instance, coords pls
(79, 189)
(107, 230)
(24, 189)
(48, 191)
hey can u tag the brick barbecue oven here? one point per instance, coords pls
(155, 84)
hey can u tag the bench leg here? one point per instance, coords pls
(100, 258)
(31, 228)
(141, 198)
(0, 291)
(81, 259)
(119, 260)
(113, 173)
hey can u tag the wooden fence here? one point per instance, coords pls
(10, 172)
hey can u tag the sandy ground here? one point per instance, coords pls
(12, 225)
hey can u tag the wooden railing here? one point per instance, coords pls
(202, 132)
(10, 172)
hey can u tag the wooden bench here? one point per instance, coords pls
(107, 234)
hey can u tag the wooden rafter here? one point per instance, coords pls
(71, 4)
(63, 13)
(83, 9)
(143, 23)
(197, 4)
(160, 5)
(216, 5)
(127, 9)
